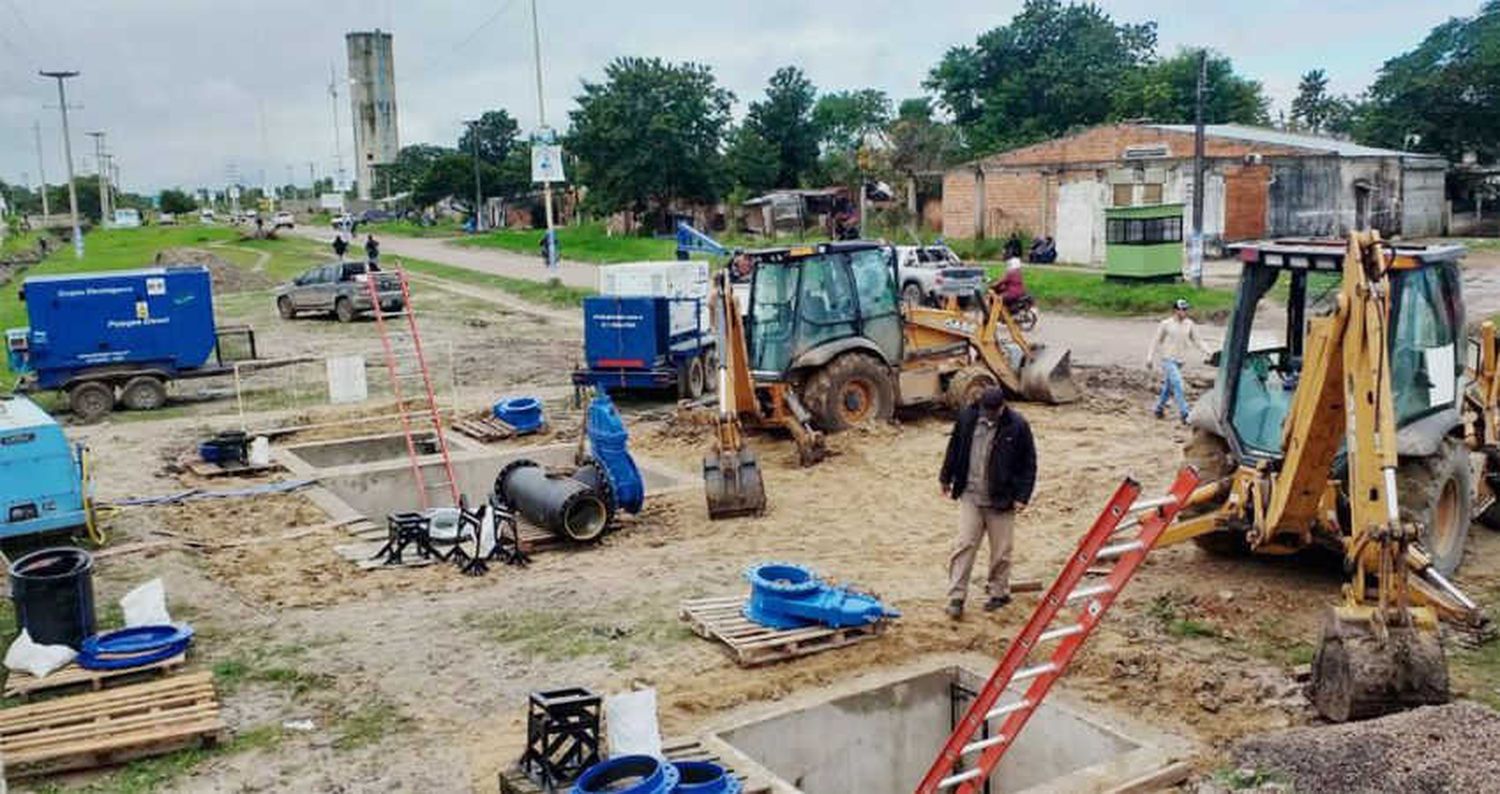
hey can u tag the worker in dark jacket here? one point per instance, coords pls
(990, 468)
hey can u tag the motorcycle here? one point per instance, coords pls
(1024, 312)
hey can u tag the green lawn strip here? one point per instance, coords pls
(550, 293)
(584, 243)
(406, 228)
(1085, 292)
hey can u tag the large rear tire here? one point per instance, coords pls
(285, 308)
(1435, 494)
(91, 401)
(852, 390)
(1209, 453)
(967, 384)
(343, 309)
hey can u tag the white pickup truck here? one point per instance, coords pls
(928, 273)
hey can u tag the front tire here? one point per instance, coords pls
(853, 389)
(343, 309)
(91, 401)
(1434, 492)
(911, 294)
(285, 308)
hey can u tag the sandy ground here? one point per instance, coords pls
(415, 680)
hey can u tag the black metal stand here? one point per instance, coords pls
(473, 521)
(507, 537)
(562, 736)
(406, 529)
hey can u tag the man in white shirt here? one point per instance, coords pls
(1175, 339)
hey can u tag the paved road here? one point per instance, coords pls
(484, 260)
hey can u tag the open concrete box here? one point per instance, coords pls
(371, 475)
(879, 734)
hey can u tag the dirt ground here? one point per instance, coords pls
(416, 679)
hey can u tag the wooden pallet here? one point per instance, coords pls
(751, 644)
(483, 428)
(110, 727)
(514, 781)
(202, 468)
(24, 685)
(368, 538)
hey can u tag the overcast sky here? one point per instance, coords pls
(187, 88)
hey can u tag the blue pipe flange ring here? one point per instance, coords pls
(628, 774)
(785, 578)
(136, 639)
(702, 777)
(116, 661)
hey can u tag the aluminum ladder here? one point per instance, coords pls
(407, 364)
(1110, 540)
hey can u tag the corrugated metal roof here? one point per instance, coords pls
(1279, 138)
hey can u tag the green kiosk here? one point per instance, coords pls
(1143, 242)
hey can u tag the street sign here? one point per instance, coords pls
(234, 192)
(546, 163)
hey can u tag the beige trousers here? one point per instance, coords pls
(974, 524)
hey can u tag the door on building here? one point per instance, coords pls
(1080, 221)
(1361, 205)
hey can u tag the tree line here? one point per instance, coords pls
(652, 134)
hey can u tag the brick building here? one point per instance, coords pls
(1258, 183)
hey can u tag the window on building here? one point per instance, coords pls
(1143, 231)
(1124, 195)
(1151, 194)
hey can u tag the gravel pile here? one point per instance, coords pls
(1430, 749)
(227, 277)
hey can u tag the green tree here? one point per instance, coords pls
(1316, 110)
(753, 161)
(177, 201)
(452, 176)
(497, 136)
(784, 118)
(1053, 67)
(1165, 91)
(919, 143)
(843, 118)
(649, 134)
(1444, 95)
(411, 165)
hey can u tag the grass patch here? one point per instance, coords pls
(1240, 779)
(369, 724)
(1087, 292)
(147, 775)
(560, 635)
(550, 293)
(1167, 612)
(446, 227)
(268, 666)
(583, 243)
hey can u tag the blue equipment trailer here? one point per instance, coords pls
(42, 477)
(633, 343)
(120, 337)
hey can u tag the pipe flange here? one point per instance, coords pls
(704, 777)
(606, 491)
(499, 491)
(782, 577)
(651, 776)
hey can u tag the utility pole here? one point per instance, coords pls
(62, 103)
(478, 195)
(101, 167)
(338, 157)
(1195, 242)
(541, 113)
(41, 171)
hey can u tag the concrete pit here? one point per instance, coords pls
(371, 475)
(880, 739)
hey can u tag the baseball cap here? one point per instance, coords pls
(1181, 303)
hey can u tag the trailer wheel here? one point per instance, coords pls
(144, 393)
(285, 308)
(691, 378)
(91, 401)
(343, 309)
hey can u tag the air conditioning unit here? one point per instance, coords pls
(1149, 151)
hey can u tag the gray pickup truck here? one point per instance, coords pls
(926, 274)
(340, 288)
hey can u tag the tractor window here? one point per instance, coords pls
(1257, 369)
(874, 282)
(827, 302)
(771, 316)
(1424, 358)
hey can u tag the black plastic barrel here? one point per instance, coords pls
(53, 590)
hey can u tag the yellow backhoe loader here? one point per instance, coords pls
(1347, 432)
(826, 344)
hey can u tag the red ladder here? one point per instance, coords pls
(1100, 544)
(425, 411)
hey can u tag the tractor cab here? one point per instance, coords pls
(810, 303)
(1261, 361)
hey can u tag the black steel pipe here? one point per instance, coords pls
(558, 504)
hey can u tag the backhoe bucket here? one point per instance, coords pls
(1048, 376)
(732, 484)
(1360, 673)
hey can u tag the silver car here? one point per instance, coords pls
(928, 273)
(341, 288)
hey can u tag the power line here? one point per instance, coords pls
(448, 52)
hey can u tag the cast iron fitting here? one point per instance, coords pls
(785, 578)
(628, 774)
(702, 777)
(560, 505)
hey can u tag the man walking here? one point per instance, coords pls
(372, 250)
(340, 245)
(1175, 338)
(990, 468)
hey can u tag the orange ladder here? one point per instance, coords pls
(1106, 541)
(422, 408)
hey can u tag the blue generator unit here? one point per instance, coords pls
(119, 337)
(645, 343)
(41, 475)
